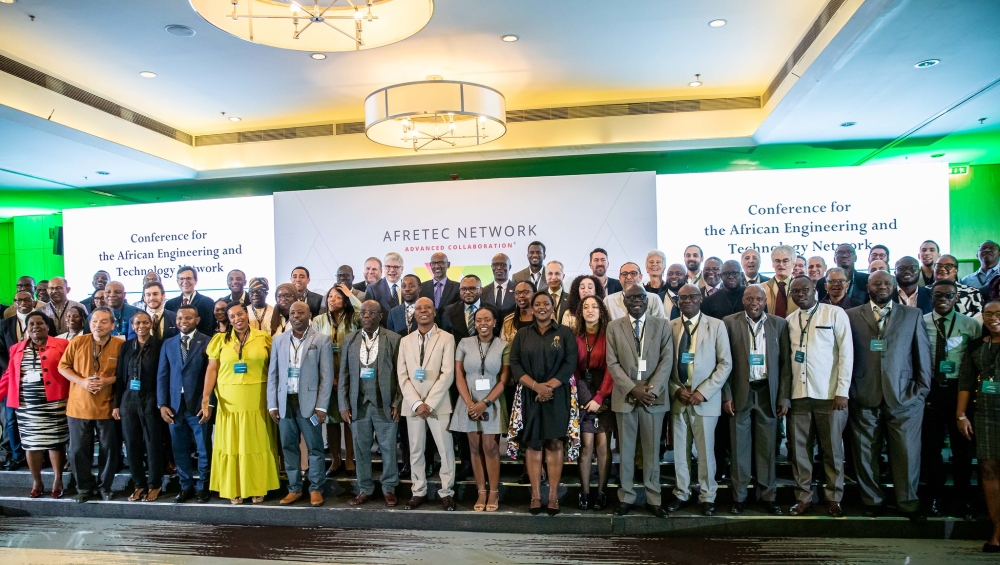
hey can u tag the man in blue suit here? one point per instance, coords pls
(180, 382)
(164, 321)
(387, 291)
(401, 318)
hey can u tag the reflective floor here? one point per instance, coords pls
(110, 542)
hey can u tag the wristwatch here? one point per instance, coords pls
(960, 418)
(488, 403)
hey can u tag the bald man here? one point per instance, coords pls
(24, 284)
(114, 294)
(750, 260)
(500, 292)
(442, 291)
(59, 303)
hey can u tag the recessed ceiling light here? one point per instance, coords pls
(234, 118)
(509, 38)
(179, 30)
(696, 81)
(147, 74)
(927, 63)
(105, 173)
(717, 23)
(848, 124)
(318, 56)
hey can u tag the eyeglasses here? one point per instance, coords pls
(437, 263)
(185, 279)
(393, 267)
(468, 289)
(634, 297)
(498, 265)
(906, 269)
(834, 282)
(991, 315)
(522, 292)
(781, 261)
(843, 253)
(281, 295)
(948, 295)
(688, 297)
(728, 274)
(370, 313)
(946, 267)
(629, 274)
(26, 299)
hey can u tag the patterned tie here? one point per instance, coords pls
(184, 348)
(781, 302)
(409, 316)
(438, 289)
(637, 336)
(940, 352)
(395, 296)
(471, 320)
(156, 325)
(684, 369)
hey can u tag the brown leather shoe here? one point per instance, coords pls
(315, 499)
(390, 500)
(360, 499)
(799, 508)
(834, 510)
(415, 502)
(290, 498)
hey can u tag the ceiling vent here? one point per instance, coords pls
(804, 44)
(253, 136)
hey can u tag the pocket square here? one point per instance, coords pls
(311, 347)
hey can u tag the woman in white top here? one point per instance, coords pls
(76, 317)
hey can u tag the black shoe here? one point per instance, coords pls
(936, 508)
(657, 511)
(15, 464)
(203, 496)
(535, 510)
(552, 511)
(107, 495)
(964, 510)
(184, 496)
(352, 472)
(84, 497)
(600, 502)
(405, 471)
(990, 548)
(448, 503)
(708, 509)
(677, 504)
(772, 508)
(916, 517)
(738, 507)
(874, 511)
(583, 501)
(623, 508)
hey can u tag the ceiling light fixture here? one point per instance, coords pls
(848, 124)
(927, 63)
(696, 81)
(509, 38)
(179, 30)
(435, 114)
(717, 23)
(330, 25)
(318, 56)
(147, 74)
(235, 119)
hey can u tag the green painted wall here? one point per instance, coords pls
(975, 209)
(26, 249)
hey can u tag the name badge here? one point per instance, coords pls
(420, 375)
(367, 372)
(483, 384)
(292, 385)
(134, 384)
(642, 365)
(947, 367)
(990, 387)
(32, 376)
(877, 345)
(756, 359)
(687, 358)
(800, 356)
(240, 368)
(294, 372)
(336, 347)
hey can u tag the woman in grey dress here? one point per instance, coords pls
(481, 374)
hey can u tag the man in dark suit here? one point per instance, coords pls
(599, 268)
(371, 275)
(907, 290)
(386, 290)
(164, 321)
(180, 382)
(187, 280)
(300, 280)
(401, 320)
(500, 292)
(99, 281)
(236, 280)
(845, 256)
(554, 277)
(535, 271)
(440, 289)
(760, 378)
(891, 379)
(458, 315)
(728, 299)
(750, 261)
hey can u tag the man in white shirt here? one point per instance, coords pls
(151, 276)
(500, 292)
(535, 271)
(59, 304)
(822, 362)
(629, 275)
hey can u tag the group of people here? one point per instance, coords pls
(707, 355)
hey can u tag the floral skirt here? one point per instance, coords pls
(514, 449)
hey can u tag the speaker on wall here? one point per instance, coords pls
(57, 241)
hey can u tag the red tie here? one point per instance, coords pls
(781, 302)
(184, 301)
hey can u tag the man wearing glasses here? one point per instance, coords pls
(500, 292)
(989, 257)
(969, 300)
(442, 291)
(857, 282)
(728, 299)
(24, 284)
(836, 289)
(387, 290)
(710, 273)
(950, 334)
(187, 280)
(778, 303)
(630, 275)
(908, 292)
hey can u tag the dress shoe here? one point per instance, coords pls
(390, 500)
(363, 498)
(936, 508)
(352, 472)
(917, 516)
(874, 511)
(203, 496)
(708, 509)
(623, 508)
(990, 548)
(677, 504)
(14, 464)
(415, 502)
(448, 503)
(583, 500)
(772, 508)
(84, 496)
(107, 495)
(600, 502)
(834, 510)
(405, 471)
(184, 496)
(964, 511)
(657, 511)
(524, 479)
(535, 510)
(290, 498)
(799, 508)
(553, 511)
(738, 507)
(315, 499)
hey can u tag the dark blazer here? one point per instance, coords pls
(148, 368)
(449, 296)
(924, 301)
(385, 371)
(174, 374)
(490, 297)
(382, 294)
(397, 321)
(905, 375)
(859, 287)
(169, 325)
(8, 339)
(362, 286)
(454, 322)
(206, 311)
(779, 366)
(614, 285)
(315, 302)
(562, 306)
(724, 302)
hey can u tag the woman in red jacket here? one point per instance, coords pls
(37, 391)
(593, 390)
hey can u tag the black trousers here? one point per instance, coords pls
(81, 453)
(939, 421)
(143, 429)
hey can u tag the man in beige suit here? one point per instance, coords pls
(778, 303)
(703, 363)
(426, 369)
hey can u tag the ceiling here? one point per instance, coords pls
(858, 69)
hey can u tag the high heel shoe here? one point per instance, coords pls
(495, 505)
(480, 506)
(583, 500)
(553, 511)
(600, 502)
(535, 510)
(236, 500)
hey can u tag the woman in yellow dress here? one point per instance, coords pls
(244, 461)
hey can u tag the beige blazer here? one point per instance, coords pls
(439, 362)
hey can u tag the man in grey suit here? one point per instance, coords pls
(892, 377)
(703, 363)
(640, 356)
(299, 384)
(369, 397)
(760, 379)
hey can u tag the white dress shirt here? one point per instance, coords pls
(616, 305)
(828, 349)
(758, 346)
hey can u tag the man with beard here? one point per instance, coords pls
(535, 271)
(300, 280)
(693, 256)
(599, 268)
(929, 253)
(908, 291)
(151, 276)
(816, 268)
(711, 275)
(729, 299)
(750, 260)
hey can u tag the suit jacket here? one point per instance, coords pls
(205, 307)
(173, 374)
(382, 294)
(562, 306)
(724, 302)
(777, 354)
(771, 286)
(623, 362)
(525, 275)
(362, 286)
(439, 362)
(614, 285)
(385, 371)
(397, 321)
(169, 320)
(712, 365)
(449, 295)
(314, 301)
(905, 376)
(8, 339)
(858, 291)
(315, 373)
(490, 297)
(924, 301)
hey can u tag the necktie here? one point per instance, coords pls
(184, 301)
(685, 347)
(395, 295)
(471, 320)
(184, 348)
(156, 325)
(940, 354)
(409, 317)
(638, 337)
(438, 289)
(781, 302)
(499, 301)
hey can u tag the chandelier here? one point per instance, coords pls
(435, 114)
(330, 25)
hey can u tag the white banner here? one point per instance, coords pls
(470, 221)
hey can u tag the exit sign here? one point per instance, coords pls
(960, 170)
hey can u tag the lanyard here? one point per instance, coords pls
(36, 363)
(334, 327)
(755, 333)
(642, 333)
(295, 348)
(590, 346)
(136, 364)
(59, 315)
(260, 317)
(369, 344)
(21, 328)
(97, 354)
(243, 342)
(483, 354)
(805, 328)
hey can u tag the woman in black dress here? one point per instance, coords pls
(543, 357)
